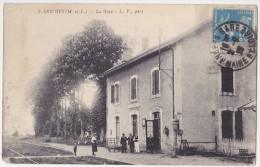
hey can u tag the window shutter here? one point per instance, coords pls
(238, 125)
(157, 82)
(112, 94)
(153, 83)
(227, 124)
(117, 89)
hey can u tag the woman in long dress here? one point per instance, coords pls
(136, 140)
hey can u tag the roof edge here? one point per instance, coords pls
(148, 52)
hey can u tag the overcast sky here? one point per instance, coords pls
(30, 37)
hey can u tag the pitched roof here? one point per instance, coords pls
(152, 51)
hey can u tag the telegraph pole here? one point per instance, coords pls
(175, 122)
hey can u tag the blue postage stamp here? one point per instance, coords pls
(221, 16)
(234, 39)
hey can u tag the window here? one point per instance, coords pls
(227, 79)
(229, 119)
(134, 123)
(155, 82)
(133, 88)
(227, 124)
(117, 129)
(117, 93)
(238, 125)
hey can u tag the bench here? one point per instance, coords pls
(243, 154)
(111, 145)
(115, 148)
(110, 142)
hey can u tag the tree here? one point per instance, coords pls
(85, 55)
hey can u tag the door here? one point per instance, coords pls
(149, 130)
(153, 128)
(157, 131)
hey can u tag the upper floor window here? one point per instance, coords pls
(115, 92)
(155, 79)
(227, 80)
(133, 87)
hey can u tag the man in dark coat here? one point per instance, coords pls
(131, 143)
(150, 143)
(123, 143)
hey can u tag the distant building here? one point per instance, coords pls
(208, 99)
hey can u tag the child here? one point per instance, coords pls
(75, 148)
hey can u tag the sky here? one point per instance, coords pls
(32, 33)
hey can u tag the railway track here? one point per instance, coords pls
(34, 151)
(34, 162)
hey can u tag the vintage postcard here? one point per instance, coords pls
(140, 84)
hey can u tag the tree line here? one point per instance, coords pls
(82, 57)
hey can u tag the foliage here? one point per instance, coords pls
(85, 55)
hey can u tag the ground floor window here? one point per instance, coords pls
(117, 129)
(232, 122)
(134, 124)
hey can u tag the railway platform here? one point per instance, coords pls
(145, 158)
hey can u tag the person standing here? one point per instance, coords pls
(131, 143)
(94, 144)
(123, 143)
(150, 143)
(75, 148)
(136, 140)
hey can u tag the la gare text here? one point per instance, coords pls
(85, 11)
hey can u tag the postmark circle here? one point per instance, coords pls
(234, 45)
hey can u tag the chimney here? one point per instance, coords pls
(127, 54)
(145, 43)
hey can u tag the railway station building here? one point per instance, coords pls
(215, 105)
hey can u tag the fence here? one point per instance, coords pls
(232, 146)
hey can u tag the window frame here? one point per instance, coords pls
(132, 123)
(115, 93)
(221, 93)
(136, 88)
(117, 129)
(159, 83)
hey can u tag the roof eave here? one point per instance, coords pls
(169, 43)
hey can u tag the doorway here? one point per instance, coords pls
(157, 131)
(153, 128)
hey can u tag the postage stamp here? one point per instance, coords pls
(234, 38)
(221, 16)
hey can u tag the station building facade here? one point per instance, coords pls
(207, 99)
